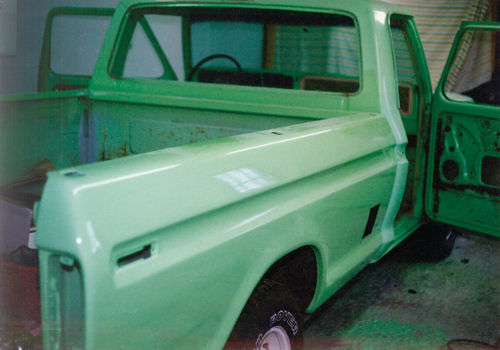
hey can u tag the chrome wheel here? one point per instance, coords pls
(275, 339)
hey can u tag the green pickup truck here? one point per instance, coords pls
(229, 165)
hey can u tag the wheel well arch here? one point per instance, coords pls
(298, 270)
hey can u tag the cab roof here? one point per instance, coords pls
(357, 6)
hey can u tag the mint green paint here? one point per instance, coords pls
(217, 181)
(265, 211)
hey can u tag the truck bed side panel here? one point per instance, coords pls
(32, 130)
(123, 129)
(150, 238)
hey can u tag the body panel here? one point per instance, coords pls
(247, 200)
(34, 127)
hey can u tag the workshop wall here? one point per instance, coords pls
(18, 71)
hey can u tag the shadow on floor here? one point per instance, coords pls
(399, 303)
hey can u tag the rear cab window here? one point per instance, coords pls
(238, 46)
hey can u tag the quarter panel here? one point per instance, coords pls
(214, 219)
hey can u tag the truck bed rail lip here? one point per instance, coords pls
(47, 95)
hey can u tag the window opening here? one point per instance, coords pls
(237, 46)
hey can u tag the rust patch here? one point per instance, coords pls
(102, 155)
(123, 150)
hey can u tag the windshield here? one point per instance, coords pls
(251, 47)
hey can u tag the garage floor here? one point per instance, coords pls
(400, 304)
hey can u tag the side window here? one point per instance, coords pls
(474, 76)
(142, 60)
(405, 68)
(406, 75)
(155, 49)
(319, 49)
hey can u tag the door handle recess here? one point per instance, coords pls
(139, 254)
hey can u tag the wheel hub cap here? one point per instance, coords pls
(275, 339)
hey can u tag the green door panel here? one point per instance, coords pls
(463, 183)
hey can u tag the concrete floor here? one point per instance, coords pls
(400, 304)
